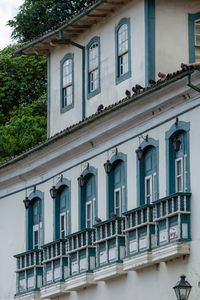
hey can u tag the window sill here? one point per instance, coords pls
(119, 79)
(94, 93)
(67, 108)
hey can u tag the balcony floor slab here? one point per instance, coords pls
(79, 281)
(138, 261)
(170, 251)
(29, 296)
(52, 290)
(109, 272)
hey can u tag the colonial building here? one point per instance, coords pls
(108, 206)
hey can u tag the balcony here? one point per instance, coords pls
(140, 237)
(80, 250)
(55, 269)
(29, 275)
(110, 249)
(172, 220)
(158, 232)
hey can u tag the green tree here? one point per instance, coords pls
(22, 81)
(25, 129)
(37, 16)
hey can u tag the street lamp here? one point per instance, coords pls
(26, 202)
(108, 167)
(182, 289)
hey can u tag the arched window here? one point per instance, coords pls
(62, 209)
(67, 87)
(35, 221)
(122, 37)
(116, 185)
(88, 199)
(93, 52)
(148, 173)
(177, 143)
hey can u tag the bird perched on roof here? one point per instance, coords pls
(161, 75)
(98, 220)
(100, 107)
(138, 87)
(134, 89)
(184, 66)
(128, 93)
(152, 82)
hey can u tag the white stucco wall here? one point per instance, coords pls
(158, 280)
(110, 91)
(172, 39)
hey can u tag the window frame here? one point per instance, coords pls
(192, 18)
(118, 190)
(120, 78)
(68, 56)
(92, 93)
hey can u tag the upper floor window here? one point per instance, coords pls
(197, 41)
(194, 38)
(123, 63)
(67, 88)
(177, 142)
(148, 172)
(93, 50)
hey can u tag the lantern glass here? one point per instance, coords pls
(81, 181)
(26, 202)
(176, 144)
(139, 153)
(53, 192)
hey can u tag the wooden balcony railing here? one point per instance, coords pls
(29, 271)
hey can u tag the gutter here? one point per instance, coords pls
(96, 117)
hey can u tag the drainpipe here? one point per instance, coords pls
(83, 64)
(191, 85)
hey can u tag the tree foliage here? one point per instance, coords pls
(22, 81)
(37, 16)
(26, 128)
(22, 102)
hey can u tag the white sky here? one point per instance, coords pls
(8, 9)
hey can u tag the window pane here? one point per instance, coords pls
(93, 57)
(123, 39)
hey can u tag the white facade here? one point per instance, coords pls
(113, 134)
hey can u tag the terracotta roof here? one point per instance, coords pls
(170, 78)
(72, 26)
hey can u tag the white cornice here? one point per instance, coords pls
(99, 136)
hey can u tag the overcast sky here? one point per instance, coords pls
(8, 9)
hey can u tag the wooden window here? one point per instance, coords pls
(123, 49)
(93, 67)
(179, 174)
